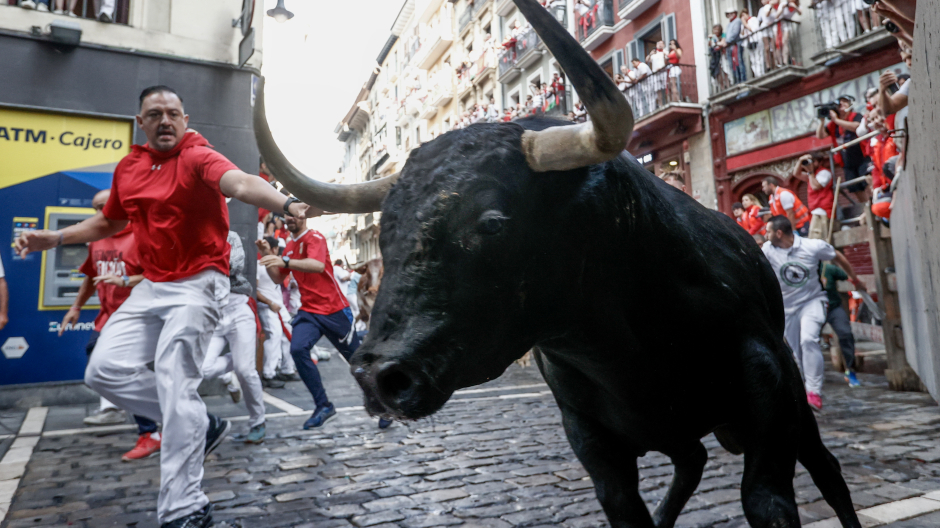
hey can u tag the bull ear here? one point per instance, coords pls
(354, 198)
(601, 139)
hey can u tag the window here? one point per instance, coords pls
(397, 136)
(663, 29)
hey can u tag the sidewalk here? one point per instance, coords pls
(494, 457)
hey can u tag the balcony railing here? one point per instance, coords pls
(760, 54)
(836, 22)
(673, 84)
(517, 50)
(601, 14)
(411, 49)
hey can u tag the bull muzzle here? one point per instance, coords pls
(395, 389)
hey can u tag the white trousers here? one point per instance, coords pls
(237, 329)
(802, 330)
(105, 6)
(276, 346)
(171, 324)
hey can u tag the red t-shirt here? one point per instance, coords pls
(116, 255)
(319, 292)
(755, 222)
(175, 206)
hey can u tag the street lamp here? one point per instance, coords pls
(280, 13)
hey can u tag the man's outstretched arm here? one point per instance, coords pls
(4, 303)
(256, 191)
(91, 229)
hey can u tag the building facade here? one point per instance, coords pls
(670, 132)
(73, 82)
(762, 117)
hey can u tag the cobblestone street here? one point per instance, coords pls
(494, 457)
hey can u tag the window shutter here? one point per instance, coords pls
(618, 61)
(669, 28)
(633, 51)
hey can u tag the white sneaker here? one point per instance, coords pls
(234, 389)
(59, 11)
(73, 15)
(322, 353)
(28, 4)
(42, 7)
(109, 416)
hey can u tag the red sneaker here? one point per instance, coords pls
(814, 400)
(147, 446)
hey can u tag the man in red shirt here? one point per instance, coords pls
(172, 191)
(324, 309)
(112, 268)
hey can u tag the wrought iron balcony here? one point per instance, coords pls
(597, 24)
(763, 59)
(518, 53)
(672, 85)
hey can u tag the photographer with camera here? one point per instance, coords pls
(843, 122)
(819, 195)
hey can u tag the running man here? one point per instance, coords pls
(113, 269)
(278, 363)
(323, 308)
(172, 191)
(238, 329)
(796, 262)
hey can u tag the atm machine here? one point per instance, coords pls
(60, 276)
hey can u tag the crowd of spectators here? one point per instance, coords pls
(103, 9)
(655, 82)
(766, 37)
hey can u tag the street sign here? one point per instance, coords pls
(244, 20)
(246, 48)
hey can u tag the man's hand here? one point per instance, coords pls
(887, 79)
(272, 262)
(833, 115)
(71, 317)
(859, 285)
(264, 248)
(33, 241)
(275, 307)
(113, 280)
(4, 320)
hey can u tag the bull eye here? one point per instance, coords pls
(491, 222)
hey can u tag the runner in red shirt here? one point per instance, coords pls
(324, 310)
(173, 191)
(112, 268)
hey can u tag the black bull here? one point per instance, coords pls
(485, 259)
(499, 238)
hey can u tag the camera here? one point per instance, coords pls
(891, 27)
(870, 2)
(822, 109)
(806, 162)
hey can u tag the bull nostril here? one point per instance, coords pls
(393, 381)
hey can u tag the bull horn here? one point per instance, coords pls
(353, 198)
(599, 140)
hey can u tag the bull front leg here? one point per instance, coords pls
(612, 467)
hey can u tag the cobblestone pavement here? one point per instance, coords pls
(494, 457)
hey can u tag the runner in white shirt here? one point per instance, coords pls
(796, 262)
(278, 363)
(643, 72)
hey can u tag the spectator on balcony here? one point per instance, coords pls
(785, 13)
(841, 129)
(657, 60)
(733, 46)
(766, 18)
(646, 94)
(717, 64)
(675, 72)
(750, 25)
(831, 21)
(819, 195)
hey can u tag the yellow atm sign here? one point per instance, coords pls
(36, 144)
